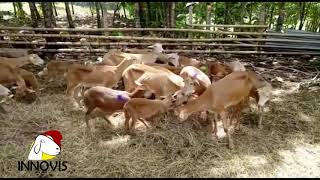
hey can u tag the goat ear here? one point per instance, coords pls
(37, 147)
(197, 82)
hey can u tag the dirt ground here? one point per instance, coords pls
(288, 145)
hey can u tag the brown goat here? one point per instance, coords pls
(107, 100)
(10, 75)
(94, 75)
(219, 96)
(143, 109)
(30, 79)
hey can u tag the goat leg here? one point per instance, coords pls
(108, 121)
(260, 117)
(142, 120)
(215, 125)
(227, 128)
(2, 110)
(127, 119)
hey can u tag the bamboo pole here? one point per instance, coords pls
(147, 44)
(156, 29)
(177, 51)
(154, 39)
(228, 26)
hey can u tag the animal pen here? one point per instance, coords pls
(219, 40)
(290, 126)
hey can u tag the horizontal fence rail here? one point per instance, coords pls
(156, 29)
(150, 38)
(229, 26)
(174, 51)
(147, 44)
(244, 42)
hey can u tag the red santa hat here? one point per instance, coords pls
(56, 135)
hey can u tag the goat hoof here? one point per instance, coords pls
(214, 139)
(260, 126)
(231, 146)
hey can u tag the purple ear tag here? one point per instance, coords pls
(121, 98)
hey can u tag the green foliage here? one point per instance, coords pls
(116, 34)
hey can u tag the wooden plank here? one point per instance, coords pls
(228, 26)
(151, 38)
(164, 44)
(177, 50)
(155, 29)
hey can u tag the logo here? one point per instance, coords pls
(45, 147)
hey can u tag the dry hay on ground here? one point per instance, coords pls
(287, 146)
(171, 149)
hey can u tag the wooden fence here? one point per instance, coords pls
(224, 40)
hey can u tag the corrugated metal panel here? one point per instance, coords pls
(298, 46)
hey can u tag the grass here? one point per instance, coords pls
(287, 146)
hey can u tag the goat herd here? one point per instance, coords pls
(154, 82)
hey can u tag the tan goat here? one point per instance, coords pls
(10, 75)
(94, 75)
(55, 69)
(157, 47)
(261, 96)
(160, 84)
(135, 71)
(184, 61)
(143, 109)
(201, 79)
(30, 79)
(219, 96)
(24, 60)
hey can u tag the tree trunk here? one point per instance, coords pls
(137, 15)
(167, 13)
(47, 10)
(209, 9)
(142, 14)
(243, 10)
(98, 15)
(226, 13)
(161, 13)
(14, 9)
(302, 14)
(69, 17)
(37, 12)
(72, 7)
(173, 15)
(262, 14)
(102, 11)
(149, 14)
(49, 22)
(271, 15)
(33, 9)
(124, 9)
(91, 9)
(190, 20)
(105, 20)
(20, 12)
(114, 13)
(280, 19)
(250, 13)
(54, 8)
